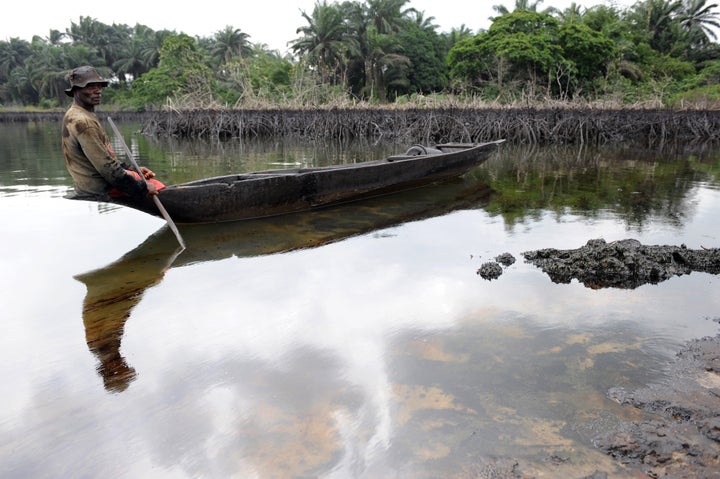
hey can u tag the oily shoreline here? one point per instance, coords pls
(683, 437)
(650, 127)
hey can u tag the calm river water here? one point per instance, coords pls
(353, 342)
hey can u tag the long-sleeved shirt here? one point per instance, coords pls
(91, 162)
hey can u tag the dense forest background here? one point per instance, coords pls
(656, 53)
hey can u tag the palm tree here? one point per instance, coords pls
(325, 40)
(230, 43)
(107, 40)
(152, 43)
(458, 34)
(131, 61)
(387, 15)
(55, 37)
(657, 20)
(424, 23)
(358, 24)
(699, 20)
(46, 70)
(19, 87)
(13, 54)
(15, 87)
(572, 14)
(384, 63)
(519, 5)
(86, 30)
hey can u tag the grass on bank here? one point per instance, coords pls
(702, 97)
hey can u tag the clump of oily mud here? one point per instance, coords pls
(493, 269)
(622, 264)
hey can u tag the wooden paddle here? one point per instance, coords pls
(155, 198)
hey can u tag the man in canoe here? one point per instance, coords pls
(96, 171)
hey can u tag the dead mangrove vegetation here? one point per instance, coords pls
(530, 125)
(517, 125)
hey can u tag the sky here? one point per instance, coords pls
(270, 22)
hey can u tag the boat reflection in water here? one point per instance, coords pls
(113, 291)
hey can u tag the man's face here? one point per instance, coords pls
(90, 95)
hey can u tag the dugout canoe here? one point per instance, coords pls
(282, 191)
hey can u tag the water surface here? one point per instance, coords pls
(356, 341)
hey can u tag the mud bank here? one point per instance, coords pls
(622, 264)
(684, 440)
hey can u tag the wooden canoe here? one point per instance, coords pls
(276, 192)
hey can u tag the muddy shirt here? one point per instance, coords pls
(91, 162)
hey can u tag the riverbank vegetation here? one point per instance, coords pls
(548, 125)
(656, 53)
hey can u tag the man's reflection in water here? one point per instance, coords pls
(104, 318)
(112, 293)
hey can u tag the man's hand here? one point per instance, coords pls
(151, 188)
(147, 173)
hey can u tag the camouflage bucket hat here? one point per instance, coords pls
(81, 76)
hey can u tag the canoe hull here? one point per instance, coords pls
(277, 192)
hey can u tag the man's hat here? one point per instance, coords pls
(81, 76)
